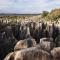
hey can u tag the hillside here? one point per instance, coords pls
(53, 15)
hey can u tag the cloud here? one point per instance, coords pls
(27, 6)
(5, 3)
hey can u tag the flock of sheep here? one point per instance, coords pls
(30, 41)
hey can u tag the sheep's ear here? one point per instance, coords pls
(11, 57)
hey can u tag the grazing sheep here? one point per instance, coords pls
(22, 44)
(56, 53)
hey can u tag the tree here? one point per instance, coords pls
(45, 13)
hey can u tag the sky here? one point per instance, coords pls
(28, 6)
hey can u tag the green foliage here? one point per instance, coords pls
(45, 13)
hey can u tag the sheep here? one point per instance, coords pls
(32, 53)
(22, 44)
(45, 44)
(56, 53)
(8, 56)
